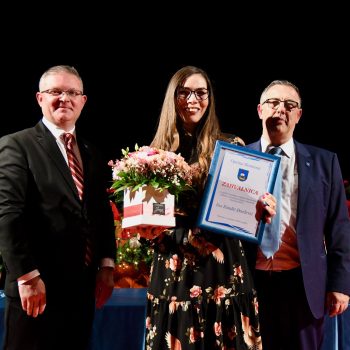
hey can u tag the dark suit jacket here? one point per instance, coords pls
(322, 227)
(43, 224)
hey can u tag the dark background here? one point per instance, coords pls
(125, 94)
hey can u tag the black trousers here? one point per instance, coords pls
(66, 322)
(285, 318)
(61, 326)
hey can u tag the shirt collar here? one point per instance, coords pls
(288, 147)
(55, 130)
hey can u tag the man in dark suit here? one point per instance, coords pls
(309, 273)
(56, 226)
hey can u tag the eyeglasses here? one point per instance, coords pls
(274, 103)
(185, 93)
(58, 92)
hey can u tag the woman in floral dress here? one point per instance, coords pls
(201, 294)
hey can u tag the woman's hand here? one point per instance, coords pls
(266, 208)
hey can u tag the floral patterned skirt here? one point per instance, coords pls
(201, 294)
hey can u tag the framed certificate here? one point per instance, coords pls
(238, 177)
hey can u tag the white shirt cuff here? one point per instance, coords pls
(27, 277)
(107, 262)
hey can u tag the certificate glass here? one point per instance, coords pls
(238, 177)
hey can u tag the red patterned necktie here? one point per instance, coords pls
(77, 174)
(73, 163)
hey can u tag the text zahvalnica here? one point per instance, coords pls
(240, 188)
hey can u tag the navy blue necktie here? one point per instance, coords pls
(271, 237)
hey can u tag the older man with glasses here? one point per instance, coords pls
(308, 273)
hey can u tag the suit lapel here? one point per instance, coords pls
(49, 145)
(305, 165)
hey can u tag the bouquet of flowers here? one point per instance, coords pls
(151, 166)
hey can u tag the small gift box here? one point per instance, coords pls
(148, 206)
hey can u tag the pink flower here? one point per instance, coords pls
(195, 291)
(148, 323)
(151, 166)
(195, 335)
(219, 293)
(217, 328)
(175, 263)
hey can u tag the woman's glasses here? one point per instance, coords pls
(185, 93)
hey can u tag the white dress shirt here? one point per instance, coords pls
(287, 256)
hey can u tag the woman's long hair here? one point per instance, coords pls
(167, 134)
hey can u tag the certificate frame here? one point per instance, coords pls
(238, 177)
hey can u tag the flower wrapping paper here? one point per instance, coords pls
(148, 206)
